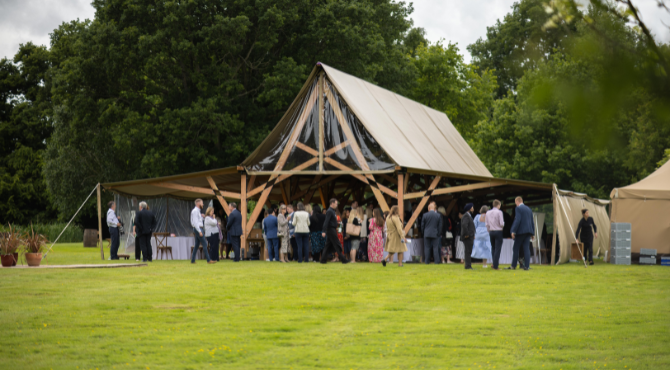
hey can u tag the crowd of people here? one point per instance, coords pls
(306, 233)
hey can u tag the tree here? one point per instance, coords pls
(445, 83)
(518, 44)
(25, 124)
(155, 89)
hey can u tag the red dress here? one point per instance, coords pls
(340, 236)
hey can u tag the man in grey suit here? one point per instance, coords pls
(523, 231)
(468, 233)
(431, 226)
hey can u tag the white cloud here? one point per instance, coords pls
(32, 20)
(464, 21)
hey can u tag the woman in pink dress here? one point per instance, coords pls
(376, 237)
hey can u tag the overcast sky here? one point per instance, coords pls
(459, 21)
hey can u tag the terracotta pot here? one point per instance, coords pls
(16, 258)
(7, 260)
(33, 259)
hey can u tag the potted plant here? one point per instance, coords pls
(33, 246)
(9, 247)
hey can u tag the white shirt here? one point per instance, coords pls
(196, 219)
(211, 226)
(112, 221)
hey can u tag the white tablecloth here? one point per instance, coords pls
(505, 254)
(181, 247)
(414, 248)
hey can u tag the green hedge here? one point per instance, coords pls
(73, 234)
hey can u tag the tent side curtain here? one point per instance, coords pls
(568, 212)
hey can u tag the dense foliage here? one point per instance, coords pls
(572, 96)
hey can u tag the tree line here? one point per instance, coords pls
(557, 93)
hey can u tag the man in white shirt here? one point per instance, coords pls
(197, 222)
(495, 224)
(113, 223)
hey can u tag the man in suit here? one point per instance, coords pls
(145, 223)
(234, 228)
(431, 227)
(522, 231)
(468, 233)
(270, 226)
(330, 233)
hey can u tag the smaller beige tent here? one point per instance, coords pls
(645, 205)
(568, 207)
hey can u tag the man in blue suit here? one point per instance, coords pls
(234, 227)
(270, 225)
(431, 227)
(523, 231)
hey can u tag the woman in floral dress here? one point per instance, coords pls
(376, 237)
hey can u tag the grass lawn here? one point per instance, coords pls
(261, 315)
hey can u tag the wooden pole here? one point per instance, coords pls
(321, 118)
(401, 197)
(243, 211)
(553, 238)
(102, 250)
(167, 213)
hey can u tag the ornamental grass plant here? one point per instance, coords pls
(10, 240)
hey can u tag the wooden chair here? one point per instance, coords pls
(162, 248)
(202, 256)
(256, 238)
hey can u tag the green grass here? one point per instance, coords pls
(260, 315)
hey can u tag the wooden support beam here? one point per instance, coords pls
(223, 202)
(337, 148)
(102, 250)
(321, 83)
(451, 206)
(195, 189)
(422, 204)
(323, 199)
(283, 193)
(363, 178)
(456, 189)
(252, 183)
(401, 197)
(307, 149)
(389, 179)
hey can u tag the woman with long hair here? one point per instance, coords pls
(282, 222)
(482, 246)
(395, 242)
(355, 219)
(212, 233)
(376, 237)
(315, 230)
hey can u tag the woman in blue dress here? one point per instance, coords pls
(482, 247)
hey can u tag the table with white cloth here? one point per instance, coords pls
(505, 254)
(414, 248)
(181, 248)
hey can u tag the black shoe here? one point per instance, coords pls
(591, 263)
(145, 261)
(526, 268)
(323, 263)
(384, 263)
(511, 268)
(345, 261)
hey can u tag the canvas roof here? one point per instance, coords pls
(412, 134)
(654, 186)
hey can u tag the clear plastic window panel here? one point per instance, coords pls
(373, 153)
(271, 150)
(172, 215)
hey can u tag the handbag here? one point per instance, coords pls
(449, 235)
(353, 229)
